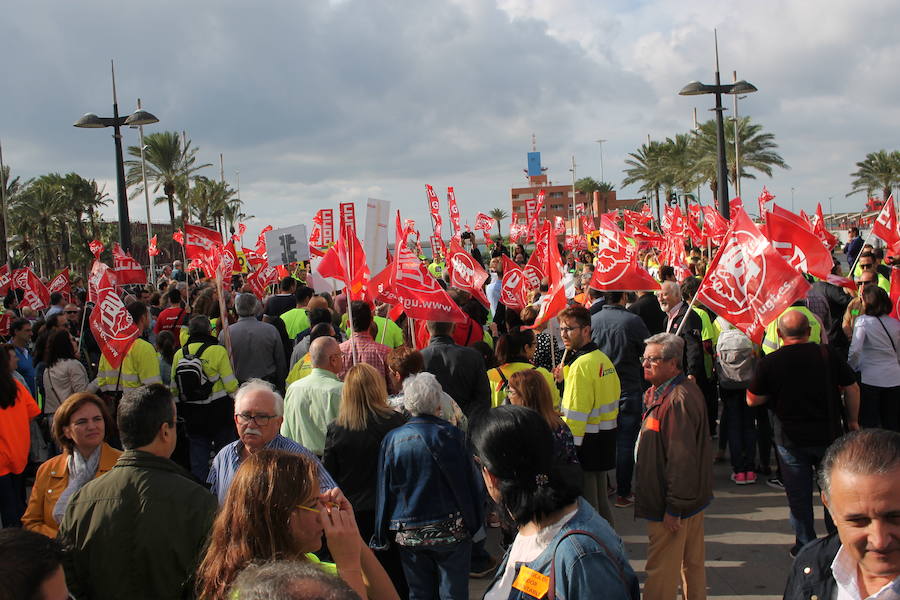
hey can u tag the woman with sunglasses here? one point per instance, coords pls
(79, 427)
(563, 549)
(274, 511)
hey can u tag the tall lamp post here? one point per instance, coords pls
(137, 118)
(695, 88)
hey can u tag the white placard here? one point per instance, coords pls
(375, 242)
(287, 245)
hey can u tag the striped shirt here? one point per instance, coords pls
(227, 461)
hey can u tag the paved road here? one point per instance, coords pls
(747, 540)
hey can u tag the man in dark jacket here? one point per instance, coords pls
(861, 487)
(460, 370)
(620, 335)
(673, 473)
(854, 245)
(138, 531)
(647, 308)
(677, 310)
(837, 299)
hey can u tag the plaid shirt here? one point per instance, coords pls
(367, 351)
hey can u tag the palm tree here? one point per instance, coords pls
(757, 151)
(40, 204)
(646, 166)
(498, 214)
(12, 188)
(879, 170)
(679, 171)
(169, 165)
(209, 200)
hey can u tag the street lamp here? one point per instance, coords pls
(601, 158)
(695, 88)
(137, 118)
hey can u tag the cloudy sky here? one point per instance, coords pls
(316, 102)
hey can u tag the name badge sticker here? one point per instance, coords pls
(531, 582)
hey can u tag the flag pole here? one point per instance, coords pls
(856, 260)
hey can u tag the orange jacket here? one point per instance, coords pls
(51, 479)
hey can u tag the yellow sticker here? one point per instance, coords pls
(531, 582)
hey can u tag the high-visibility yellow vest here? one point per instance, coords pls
(771, 342)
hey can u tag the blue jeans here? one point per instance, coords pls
(740, 421)
(437, 571)
(628, 425)
(798, 472)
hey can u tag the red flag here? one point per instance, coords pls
(534, 218)
(734, 206)
(764, 198)
(487, 238)
(153, 250)
(96, 248)
(381, 288)
(673, 255)
(799, 247)
(895, 293)
(579, 210)
(465, 272)
(714, 225)
(242, 229)
(261, 250)
(178, 236)
(128, 270)
(555, 299)
(200, 240)
(231, 264)
(61, 284)
(846, 282)
(484, 222)
(885, 225)
(454, 211)
(536, 269)
(5, 280)
(417, 290)
(792, 217)
(819, 229)
(347, 212)
(559, 226)
(346, 261)
(616, 266)
(96, 279)
(262, 278)
(327, 226)
(693, 223)
(36, 294)
(512, 286)
(254, 259)
(587, 224)
(5, 322)
(112, 325)
(748, 283)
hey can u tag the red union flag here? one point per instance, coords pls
(555, 299)
(535, 217)
(536, 269)
(454, 211)
(484, 222)
(616, 267)
(587, 224)
(261, 249)
(262, 278)
(798, 246)
(748, 283)
(885, 225)
(347, 212)
(96, 279)
(5, 280)
(96, 248)
(764, 198)
(512, 285)
(714, 225)
(327, 226)
(734, 206)
(5, 322)
(434, 206)
(60, 283)
(346, 261)
(199, 241)
(153, 250)
(128, 270)
(178, 236)
(417, 290)
(465, 272)
(381, 288)
(819, 229)
(559, 226)
(112, 325)
(36, 294)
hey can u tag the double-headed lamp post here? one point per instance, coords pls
(137, 118)
(695, 88)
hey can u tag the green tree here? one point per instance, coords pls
(757, 152)
(40, 206)
(12, 187)
(210, 200)
(646, 167)
(170, 165)
(498, 214)
(878, 171)
(589, 185)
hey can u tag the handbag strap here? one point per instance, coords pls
(551, 593)
(887, 333)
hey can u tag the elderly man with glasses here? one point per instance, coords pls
(258, 414)
(673, 472)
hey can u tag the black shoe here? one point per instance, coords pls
(775, 482)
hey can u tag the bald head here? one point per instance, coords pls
(316, 302)
(793, 326)
(325, 353)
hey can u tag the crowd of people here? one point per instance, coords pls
(305, 445)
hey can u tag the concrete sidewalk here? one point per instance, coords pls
(748, 536)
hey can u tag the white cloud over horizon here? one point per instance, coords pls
(319, 102)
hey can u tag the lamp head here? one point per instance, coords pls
(742, 87)
(90, 121)
(140, 117)
(694, 88)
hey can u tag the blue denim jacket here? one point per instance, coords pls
(425, 475)
(584, 569)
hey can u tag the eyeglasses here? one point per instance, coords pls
(568, 329)
(653, 360)
(261, 420)
(71, 312)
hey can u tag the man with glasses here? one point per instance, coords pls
(590, 404)
(673, 473)
(138, 531)
(867, 263)
(258, 414)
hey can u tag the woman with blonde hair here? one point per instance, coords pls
(80, 426)
(273, 511)
(352, 443)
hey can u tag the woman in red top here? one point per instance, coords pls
(17, 408)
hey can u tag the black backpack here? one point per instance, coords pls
(193, 383)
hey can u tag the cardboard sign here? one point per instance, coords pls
(287, 245)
